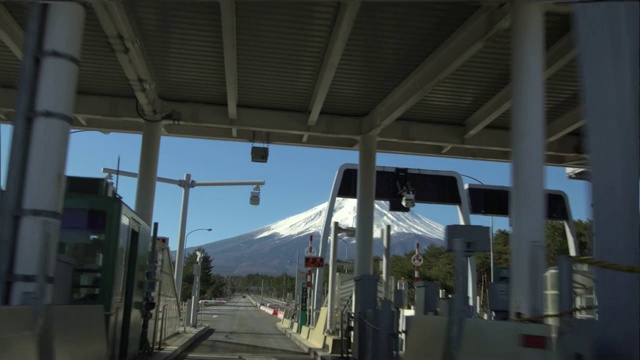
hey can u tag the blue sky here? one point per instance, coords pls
(297, 179)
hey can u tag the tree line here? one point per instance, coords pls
(438, 266)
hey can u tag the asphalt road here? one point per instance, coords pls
(241, 331)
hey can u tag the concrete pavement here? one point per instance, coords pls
(238, 330)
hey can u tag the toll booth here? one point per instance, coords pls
(104, 250)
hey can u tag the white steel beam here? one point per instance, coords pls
(213, 121)
(464, 153)
(451, 135)
(559, 55)
(455, 51)
(92, 107)
(339, 36)
(228, 19)
(565, 124)
(117, 26)
(10, 32)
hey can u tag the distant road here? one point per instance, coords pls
(241, 331)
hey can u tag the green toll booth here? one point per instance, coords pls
(303, 308)
(103, 259)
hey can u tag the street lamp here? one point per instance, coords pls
(189, 233)
(491, 242)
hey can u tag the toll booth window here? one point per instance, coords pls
(82, 239)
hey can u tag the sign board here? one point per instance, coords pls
(417, 260)
(313, 262)
(303, 298)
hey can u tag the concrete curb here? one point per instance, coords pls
(181, 344)
(316, 354)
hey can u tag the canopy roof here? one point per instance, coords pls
(430, 78)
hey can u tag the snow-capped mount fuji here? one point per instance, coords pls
(273, 248)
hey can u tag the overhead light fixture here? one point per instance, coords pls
(254, 199)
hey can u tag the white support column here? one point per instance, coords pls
(366, 202)
(186, 187)
(45, 181)
(148, 170)
(386, 260)
(332, 279)
(528, 197)
(365, 282)
(608, 57)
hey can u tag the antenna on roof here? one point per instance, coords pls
(117, 173)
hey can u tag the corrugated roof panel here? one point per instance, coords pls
(562, 93)
(388, 41)
(183, 46)
(9, 67)
(9, 64)
(462, 93)
(100, 72)
(468, 88)
(281, 47)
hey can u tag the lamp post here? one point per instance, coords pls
(186, 184)
(195, 289)
(491, 242)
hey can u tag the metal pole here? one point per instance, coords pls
(295, 290)
(194, 293)
(148, 170)
(528, 197)
(386, 260)
(333, 256)
(186, 187)
(491, 253)
(19, 144)
(45, 181)
(608, 49)
(366, 201)
(284, 284)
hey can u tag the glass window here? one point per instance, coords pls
(82, 238)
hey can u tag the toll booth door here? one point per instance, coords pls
(130, 329)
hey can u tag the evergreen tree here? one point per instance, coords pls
(211, 286)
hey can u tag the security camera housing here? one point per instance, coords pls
(409, 200)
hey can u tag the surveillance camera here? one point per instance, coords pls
(409, 200)
(254, 199)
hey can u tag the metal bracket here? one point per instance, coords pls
(54, 53)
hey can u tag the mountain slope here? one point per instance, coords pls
(273, 249)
